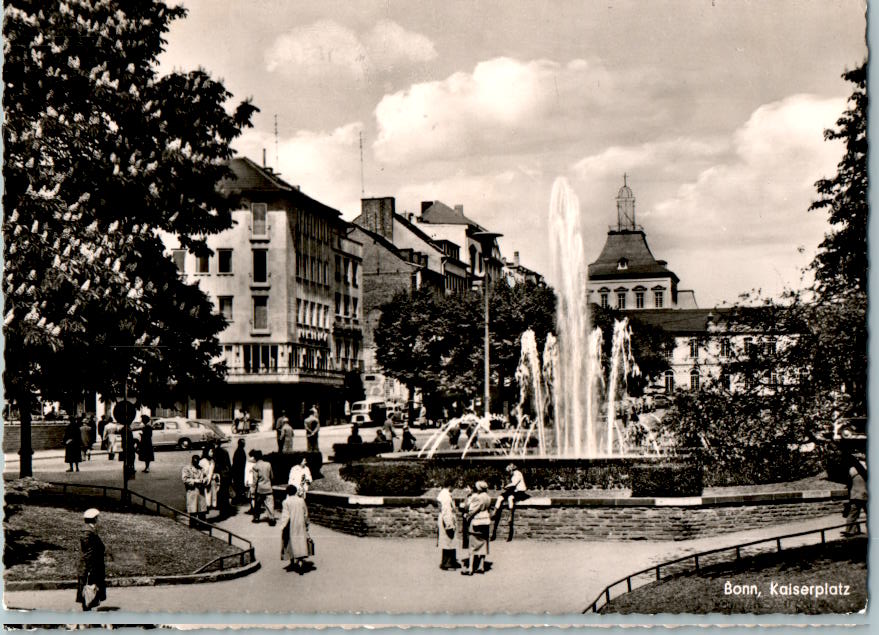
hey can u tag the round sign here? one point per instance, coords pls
(123, 412)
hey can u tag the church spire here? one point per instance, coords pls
(625, 207)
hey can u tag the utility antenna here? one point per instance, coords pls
(277, 166)
(362, 187)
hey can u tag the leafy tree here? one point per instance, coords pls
(103, 156)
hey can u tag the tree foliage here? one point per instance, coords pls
(102, 156)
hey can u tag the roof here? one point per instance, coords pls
(441, 214)
(679, 321)
(250, 177)
(417, 231)
(631, 245)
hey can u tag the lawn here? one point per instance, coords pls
(842, 563)
(42, 543)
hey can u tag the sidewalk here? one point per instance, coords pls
(399, 575)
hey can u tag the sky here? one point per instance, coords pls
(715, 110)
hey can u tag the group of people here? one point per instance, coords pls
(387, 434)
(82, 432)
(208, 482)
(284, 431)
(479, 522)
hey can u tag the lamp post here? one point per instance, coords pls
(486, 242)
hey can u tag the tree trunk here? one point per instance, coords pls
(25, 450)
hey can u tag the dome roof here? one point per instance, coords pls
(625, 192)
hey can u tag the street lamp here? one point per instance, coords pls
(486, 242)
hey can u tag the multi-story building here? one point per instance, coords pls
(515, 273)
(287, 277)
(626, 275)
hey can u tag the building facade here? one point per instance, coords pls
(287, 277)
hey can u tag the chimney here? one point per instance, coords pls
(263, 157)
(410, 217)
(516, 258)
(459, 210)
(425, 205)
(378, 216)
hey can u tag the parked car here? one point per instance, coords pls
(852, 428)
(362, 419)
(181, 432)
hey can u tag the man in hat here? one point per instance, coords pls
(279, 429)
(312, 427)
(262, 489)
(514, 490)
(857, 497)
(91, 563)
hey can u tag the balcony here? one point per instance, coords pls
(263, 375)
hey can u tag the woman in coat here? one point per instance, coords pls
(446, 530)
(480, 525)
(145, 448)
(72, 445)
(91, 562)
(294, 535)
(194, 480)
(211, 480)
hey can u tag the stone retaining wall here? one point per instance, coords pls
(44, 436)
(582, 518)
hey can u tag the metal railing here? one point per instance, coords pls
(604, 597)
(243, 557)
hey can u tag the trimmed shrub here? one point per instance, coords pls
(383, 479)
(836, 464)
(683, 479)
(348, 452)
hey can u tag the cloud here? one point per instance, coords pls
(325, 165)
(328, 49)
(508, 105)
(742, 220)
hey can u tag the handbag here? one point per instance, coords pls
(89, 594)
(310, 546)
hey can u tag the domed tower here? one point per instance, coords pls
(625, 207)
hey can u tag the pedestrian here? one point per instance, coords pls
(312, 428)
(223, 476)
(112, 440)
(480, 524)
(72, 444)
(446, 530)
(279, 427)
(194, 480)
(857, 498)
(85, 435)
(294, 535)
(128, 451)
(91, 586)
(102, 424)
(380, 436)
(239, 465)
(354, 437)
(407, 442)
(454, 434)
(300, 476)
(465, 526)
(514, 491)
(285, 437)
(145, 448)
(263, 498)
(206, 463)
(248, 480)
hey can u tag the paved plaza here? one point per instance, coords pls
(390, 575)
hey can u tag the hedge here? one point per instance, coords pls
(282, 464)
(680, 479)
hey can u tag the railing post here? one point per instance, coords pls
(823, 537)
(607, 595)
(629, 584)
(738, 553)
(778, 544)
(230, 538)
(696, 558)
(657, 572)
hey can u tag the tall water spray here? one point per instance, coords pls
(569, 268)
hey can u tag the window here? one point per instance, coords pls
(347, 303)
(347, 267)
(773, 378)
(622, 264)
(299, 311)
(338, 269)
(225, 302)
(769, 348)
(639, 299)
(179, 256)
(326, 273)
(621, 299)
(224, 261)
(657, 299)
(354, 307)
(604, 300)
(202, 264)
(261, 313)
(669, 380)
(260, 273)
(694, 349)
(259, 212)
(749, 345)
(694, 379)
(354, 273)
(725, 380)
(725, 348)
(338, 303)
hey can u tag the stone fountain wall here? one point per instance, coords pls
(612, 518)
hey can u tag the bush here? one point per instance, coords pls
(683, 479)
(836, 464)
(348, 452)
(383, 479)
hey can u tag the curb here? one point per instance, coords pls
(188, 578)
